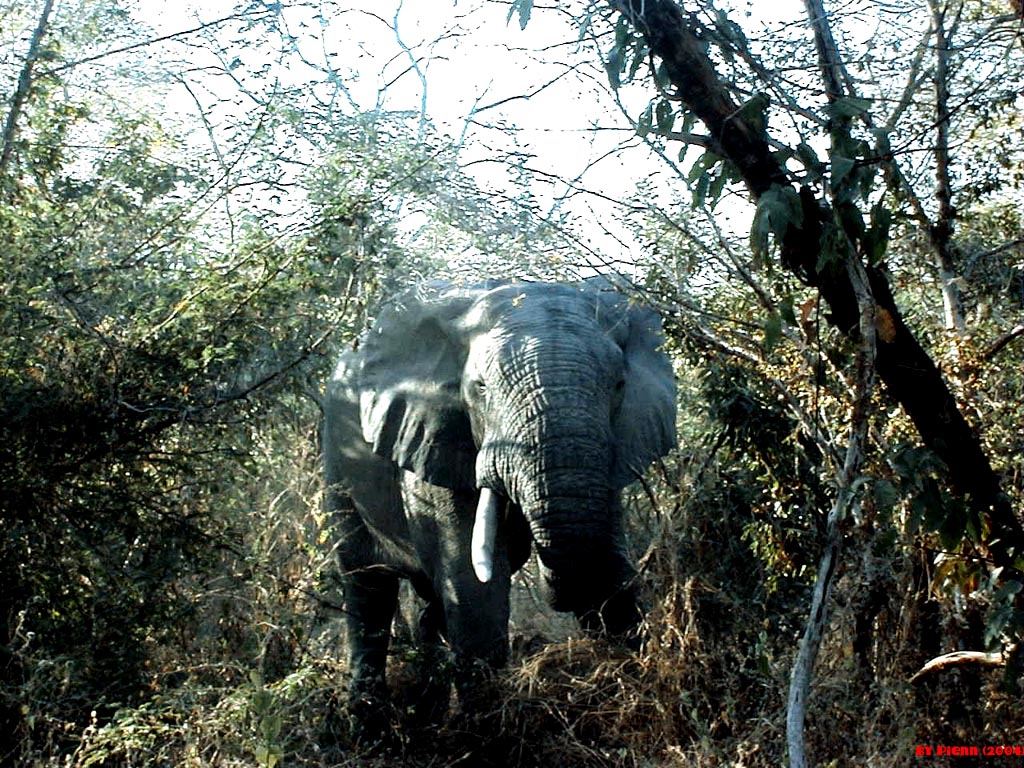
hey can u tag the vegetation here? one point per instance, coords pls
(194, 219)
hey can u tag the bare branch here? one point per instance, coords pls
(1002, 342)
(963, 658)
(846, 502)
(941, 232)
(154, 40)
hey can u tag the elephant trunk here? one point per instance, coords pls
(582, 549)
(575, 521)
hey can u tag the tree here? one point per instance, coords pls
(173, 293)
(826, 241)
(180, 264)
(131, 364)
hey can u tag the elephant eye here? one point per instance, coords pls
(620, 385)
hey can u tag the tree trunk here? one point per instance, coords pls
(941, 233)
(905, 368)
(21, 94)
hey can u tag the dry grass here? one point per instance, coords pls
(708, 689)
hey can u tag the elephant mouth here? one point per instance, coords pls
(485, 530)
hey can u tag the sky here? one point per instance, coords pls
(483, 81)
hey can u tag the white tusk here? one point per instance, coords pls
(485, 529)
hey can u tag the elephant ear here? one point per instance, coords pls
(409, 382)
(645, 427)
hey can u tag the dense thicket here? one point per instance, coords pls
(193, 223)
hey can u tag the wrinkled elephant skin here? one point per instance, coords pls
(473, 422)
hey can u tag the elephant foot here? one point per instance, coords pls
(370, 716)
(431, 705)
(370, 725)
(618, 618)
(620, 624)
(478, 687)
(422, 686)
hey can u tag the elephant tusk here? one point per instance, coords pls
(485, 529)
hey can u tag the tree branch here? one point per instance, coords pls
(941, 232)
(155, 40)
(1002, 342)
(909, 374)
(962, 658)
(833, 75)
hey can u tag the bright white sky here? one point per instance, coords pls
(470, 58)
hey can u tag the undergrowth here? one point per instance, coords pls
(690, 698)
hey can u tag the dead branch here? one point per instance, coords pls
(963, 658)
(1002, 342)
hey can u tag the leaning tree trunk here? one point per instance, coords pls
(905, 368)
(25, 81)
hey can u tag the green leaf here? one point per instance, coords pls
(833, 250)
(778, 209)
(270, 727)
(810, 160)
(1002, 612)
(524, 7)
(759, 232)
(704, 163)
(700, 190)
(622, 33)
(786, 311)
(705, 183)
(717, 185)
(665, 116)
(841, 167)
(661, 76)
(643, 125)
(613, 66)
(851, 220)
(689, 120)
(876, 239)
(754, 112)
(882, 142)
(730, 30)
(885, 494)
(848, 106)
(639, 58)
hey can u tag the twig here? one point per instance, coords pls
(155, 40)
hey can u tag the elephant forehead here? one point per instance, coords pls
(543, 343)
(527, 302)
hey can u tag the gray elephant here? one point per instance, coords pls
(471, 422)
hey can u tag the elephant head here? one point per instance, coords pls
(549, 396)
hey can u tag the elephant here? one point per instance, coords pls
(471, 423)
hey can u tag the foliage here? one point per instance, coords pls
(173, 291)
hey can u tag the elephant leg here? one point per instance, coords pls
(475, 615)
(433, 668)
(618, 617)
(371, 598)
